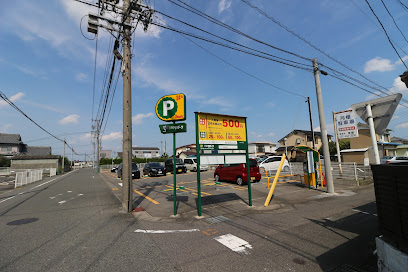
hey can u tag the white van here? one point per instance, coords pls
(272, 163)
(191, 164)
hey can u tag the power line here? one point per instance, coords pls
(308, 42)
(385, 31)
(8, 101)
(239, 69)
(395, 23)
(230, 47)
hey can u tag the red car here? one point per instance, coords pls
(237, 172)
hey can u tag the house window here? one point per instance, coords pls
(298, 141)
(260, 149)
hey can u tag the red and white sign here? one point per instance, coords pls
(346, 124)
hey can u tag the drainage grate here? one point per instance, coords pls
(22, 221)
(348, 268)
(217, 219)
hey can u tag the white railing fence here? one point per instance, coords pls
(27, 177)
(5, 171)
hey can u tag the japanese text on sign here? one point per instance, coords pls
(219, 129)
(346, 125)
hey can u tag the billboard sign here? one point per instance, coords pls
(221, 129)
(346, 124)
(171, 108)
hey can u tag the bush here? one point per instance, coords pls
(4, 162)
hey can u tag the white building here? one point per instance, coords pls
(258, 149)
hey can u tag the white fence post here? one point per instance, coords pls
(355, 172)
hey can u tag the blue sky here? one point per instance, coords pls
(47, 68)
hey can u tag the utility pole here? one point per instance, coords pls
(127, 190)
(323, 131)
(372, 133)
(130, 10)
(97, 145)
(71, 157)
(161, 148)
(165, 147)
(63, 158)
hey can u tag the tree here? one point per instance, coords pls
(343, 144)
(4, 162)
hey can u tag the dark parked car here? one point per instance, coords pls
(154, 169)
(180, 166)
(135, 171)
(237, 172)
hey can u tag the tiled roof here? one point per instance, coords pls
(38, 150)
(10, 138)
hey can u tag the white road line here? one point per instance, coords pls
(120, 184)
(374, 214)
(234, 243)
(80, 194)
(62, 202)
(69, 191)
(11, 197)
(165, 231)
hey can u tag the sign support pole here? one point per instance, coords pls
(372, 132)
(174, 174)
(198, 167)
(337, 143)
(248, 167)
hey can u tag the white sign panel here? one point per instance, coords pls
(346, 124)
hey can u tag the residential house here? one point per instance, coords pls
(36, 162)
(259, 149)
(402, 150)
(105, 154)
(361, 147)
(145, 152)
(186, 148)
(299, 137)
(10, 144)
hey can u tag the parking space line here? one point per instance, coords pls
(145, 196)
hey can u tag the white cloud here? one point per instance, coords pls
(223, 5)
(138, 118)
(271, 134)
(5, 128)
(398, 87)
(81, 77)
(218, 101)
(329, 128)
(402, 125)
(378, 64)
(112, 136)
(270, 104)
(86, 136)
(12, 98)
(70, 119)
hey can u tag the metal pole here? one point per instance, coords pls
(71, 157)
(372, 133)
(127, 190)
(63, 158)
(198, 167)
(174, 175)
(247, 166)
(323, 131)
(337, 143)
(97, 146)
(311, 123)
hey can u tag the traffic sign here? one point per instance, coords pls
(173, 128)
(346, 125)
(171, 108)
(221, 129)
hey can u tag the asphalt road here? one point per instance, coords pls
(77, 226)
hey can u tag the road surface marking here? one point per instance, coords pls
(80, 194)
(69, 191)
(114, 189)
(210, 232)
(373, 214)
(11, 197)
(165, 231)
(148, 198)
(234, 243)
(120, 183)
(62, 202)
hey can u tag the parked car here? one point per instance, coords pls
(114, 169)
(237, 172)
(394, 159)
(135, 171)
(154, 169)
(180, 166)
(272, 163)
(191, 164)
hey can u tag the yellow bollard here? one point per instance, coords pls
(275, 180)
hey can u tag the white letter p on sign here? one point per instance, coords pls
(167, 106)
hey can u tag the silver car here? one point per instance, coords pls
(393, 159)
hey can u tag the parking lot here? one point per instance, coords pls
(155, 195)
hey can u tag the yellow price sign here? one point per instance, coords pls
(221, 129)
(171, 107)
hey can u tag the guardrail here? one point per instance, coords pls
(27, 177)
